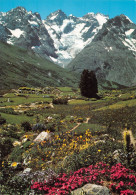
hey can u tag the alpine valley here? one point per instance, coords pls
(94, 42)
(65, 130)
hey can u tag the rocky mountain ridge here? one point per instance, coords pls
(94, 42)
(71, 34)
(59, 38)
(112, 53)
(26, 29)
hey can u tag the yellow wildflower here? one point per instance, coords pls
(2, 163)
(14, 164)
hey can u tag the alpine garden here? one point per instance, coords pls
(87, 141)
(62, 132)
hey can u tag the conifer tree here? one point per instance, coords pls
(88, 84)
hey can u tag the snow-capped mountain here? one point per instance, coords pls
(112, 52)
(59, 38)
(26, 29)
(71, 34)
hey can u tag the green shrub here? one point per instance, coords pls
(26, 125)
(29, 113)
(60, 101)
(2, 120)
(5, 147)
(10, 131)
(8, 111)
(16, 154)
(90, 156)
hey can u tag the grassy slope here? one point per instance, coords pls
(19, 67)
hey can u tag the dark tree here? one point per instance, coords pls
(88, 84)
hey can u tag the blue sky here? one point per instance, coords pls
(75, 7)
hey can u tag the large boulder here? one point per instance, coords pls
(43, 136)
(91, 189)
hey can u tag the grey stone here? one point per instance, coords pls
(116, 155)
(27, 170)
(91, 189)
(43, 136)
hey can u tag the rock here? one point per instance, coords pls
(43, 136)
(106, 136)
(51, 105)
(16, 143)
(91, 189)
(116, 155)
(100, 141)
(39, 127)
(27, 170)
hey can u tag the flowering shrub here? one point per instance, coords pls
(124, 180)
(56, 149)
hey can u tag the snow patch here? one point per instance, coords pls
(129, 19)
(30, 12)
(10, 42)
(17, 32)
(32, 22)
(101, 19)
(3, 13)
(91, 13)
(130, 44)
(53, 17)
(53, 59)
(129, 32)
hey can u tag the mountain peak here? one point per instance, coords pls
(100, 18)
(19, 9)
(57, 15)
(60, 11)
(37, 15)
(120, 20)
(89, 15)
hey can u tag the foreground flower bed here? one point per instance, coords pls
(121, 180)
